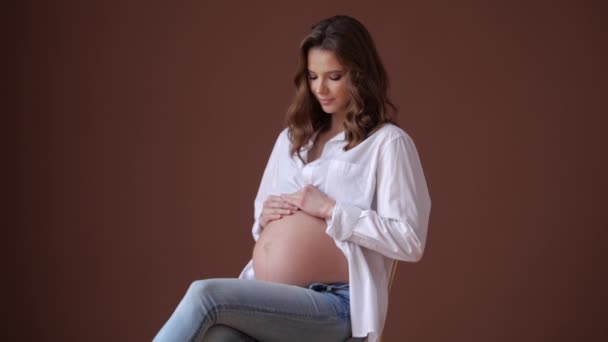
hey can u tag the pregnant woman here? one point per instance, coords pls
(343, 195)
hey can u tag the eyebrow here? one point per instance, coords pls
(331, 71)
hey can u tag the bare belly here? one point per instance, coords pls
(296, 250)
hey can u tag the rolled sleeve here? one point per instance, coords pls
(397, 226)
(343, 219)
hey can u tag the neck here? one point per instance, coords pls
(337, 120)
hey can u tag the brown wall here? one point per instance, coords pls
(142, 131)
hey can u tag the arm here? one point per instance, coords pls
(268, 186)
(398, 226)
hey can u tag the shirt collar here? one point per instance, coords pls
(337, 138)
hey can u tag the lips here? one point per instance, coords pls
(325, 101)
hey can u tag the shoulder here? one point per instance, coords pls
(390, 132)
(395, 143)
(284, 133)
(282, 137)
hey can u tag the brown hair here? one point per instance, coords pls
(354, 48)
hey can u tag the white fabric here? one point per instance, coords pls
(382, 210)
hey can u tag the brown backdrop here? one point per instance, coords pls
(143, 128)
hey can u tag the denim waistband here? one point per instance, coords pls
(329, 286)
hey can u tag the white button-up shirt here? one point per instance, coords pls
(381, 213)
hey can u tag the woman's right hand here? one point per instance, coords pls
(275, 208)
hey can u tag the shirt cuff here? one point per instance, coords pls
(342, 222)
(256, 230)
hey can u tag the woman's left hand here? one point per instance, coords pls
(312, 201)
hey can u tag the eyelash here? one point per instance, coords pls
(333, 79)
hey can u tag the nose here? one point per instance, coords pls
(320, 87)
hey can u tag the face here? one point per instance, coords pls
(327, 80)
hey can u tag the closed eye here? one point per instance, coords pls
(335, 78)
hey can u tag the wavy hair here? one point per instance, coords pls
(367, 85)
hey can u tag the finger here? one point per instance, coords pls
(270, 200)
(273, 203)
(283, 211)
(267, 221)
(290, 200)
(276, 198)
(286, 198)
(278, 202)
(287, 205)
(269, 218)
(274, 218)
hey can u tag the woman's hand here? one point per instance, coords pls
(312, 201)
(274, 208)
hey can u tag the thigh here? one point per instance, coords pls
(271, 312)
(266, 311)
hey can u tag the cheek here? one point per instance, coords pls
(340, 91)
(344, 96)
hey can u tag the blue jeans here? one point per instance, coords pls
(232, 309)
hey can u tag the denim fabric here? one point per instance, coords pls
(230, 309)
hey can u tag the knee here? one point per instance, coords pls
(205, 286)
(205, 292)
(200, 300)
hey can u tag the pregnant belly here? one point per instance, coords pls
(296, 250)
